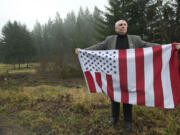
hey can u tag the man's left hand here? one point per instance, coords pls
(177, 45)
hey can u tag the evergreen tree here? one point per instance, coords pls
(98, 24)
(176, 31)
(84, 29)
(69, 29)
(17, 44)
(37, 35)
(130, 10)
(161, 21)
(136, 13)
(115, 12)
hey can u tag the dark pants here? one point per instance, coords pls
(127, 111)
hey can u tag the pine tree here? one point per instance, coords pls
(17, 44)
(98, 24)
(114, 12)
(176, 32)
(121, 10)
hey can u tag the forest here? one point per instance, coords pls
(52, 44)
(42, 89)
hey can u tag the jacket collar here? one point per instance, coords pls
(115, 40)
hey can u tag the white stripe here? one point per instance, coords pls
(131, 76)
(148, 72)
(104, 83)
(165, 75)
(98, 89)
(116, 88)
(116, 81)
(87, 83)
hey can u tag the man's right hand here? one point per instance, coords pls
(77, 50)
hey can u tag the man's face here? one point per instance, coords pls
(121, 27)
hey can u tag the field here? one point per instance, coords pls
(34, 104)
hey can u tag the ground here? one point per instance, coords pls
(8, 127)
(32, 104)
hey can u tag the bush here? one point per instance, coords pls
(56, 69)
(70, 72)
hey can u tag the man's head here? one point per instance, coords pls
(121, 27)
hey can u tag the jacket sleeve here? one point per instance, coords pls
(99, 46)
(143, 43)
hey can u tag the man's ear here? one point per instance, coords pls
(115, 30)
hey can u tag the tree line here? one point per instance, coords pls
(52, 44)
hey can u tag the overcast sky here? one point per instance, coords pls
(29, 11)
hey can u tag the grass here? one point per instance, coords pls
(8, 68)
(50, 110)
(66, 108)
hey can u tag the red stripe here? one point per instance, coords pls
(110, 90)
(157, 68)
(90, 82)
(98, 79)
(123, 76)
(174, 76)
(140, 85)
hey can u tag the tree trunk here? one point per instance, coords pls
(27, 66)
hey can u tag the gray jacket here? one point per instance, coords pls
(110, 43)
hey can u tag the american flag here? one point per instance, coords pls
(141, 76)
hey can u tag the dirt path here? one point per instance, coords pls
(7, 127)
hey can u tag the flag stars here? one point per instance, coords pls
(99, 61)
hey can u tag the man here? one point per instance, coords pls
(121, 41)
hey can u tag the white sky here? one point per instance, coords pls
(29, 11)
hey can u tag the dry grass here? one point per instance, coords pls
(8, 68)
(72, 111)
(47, 106)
